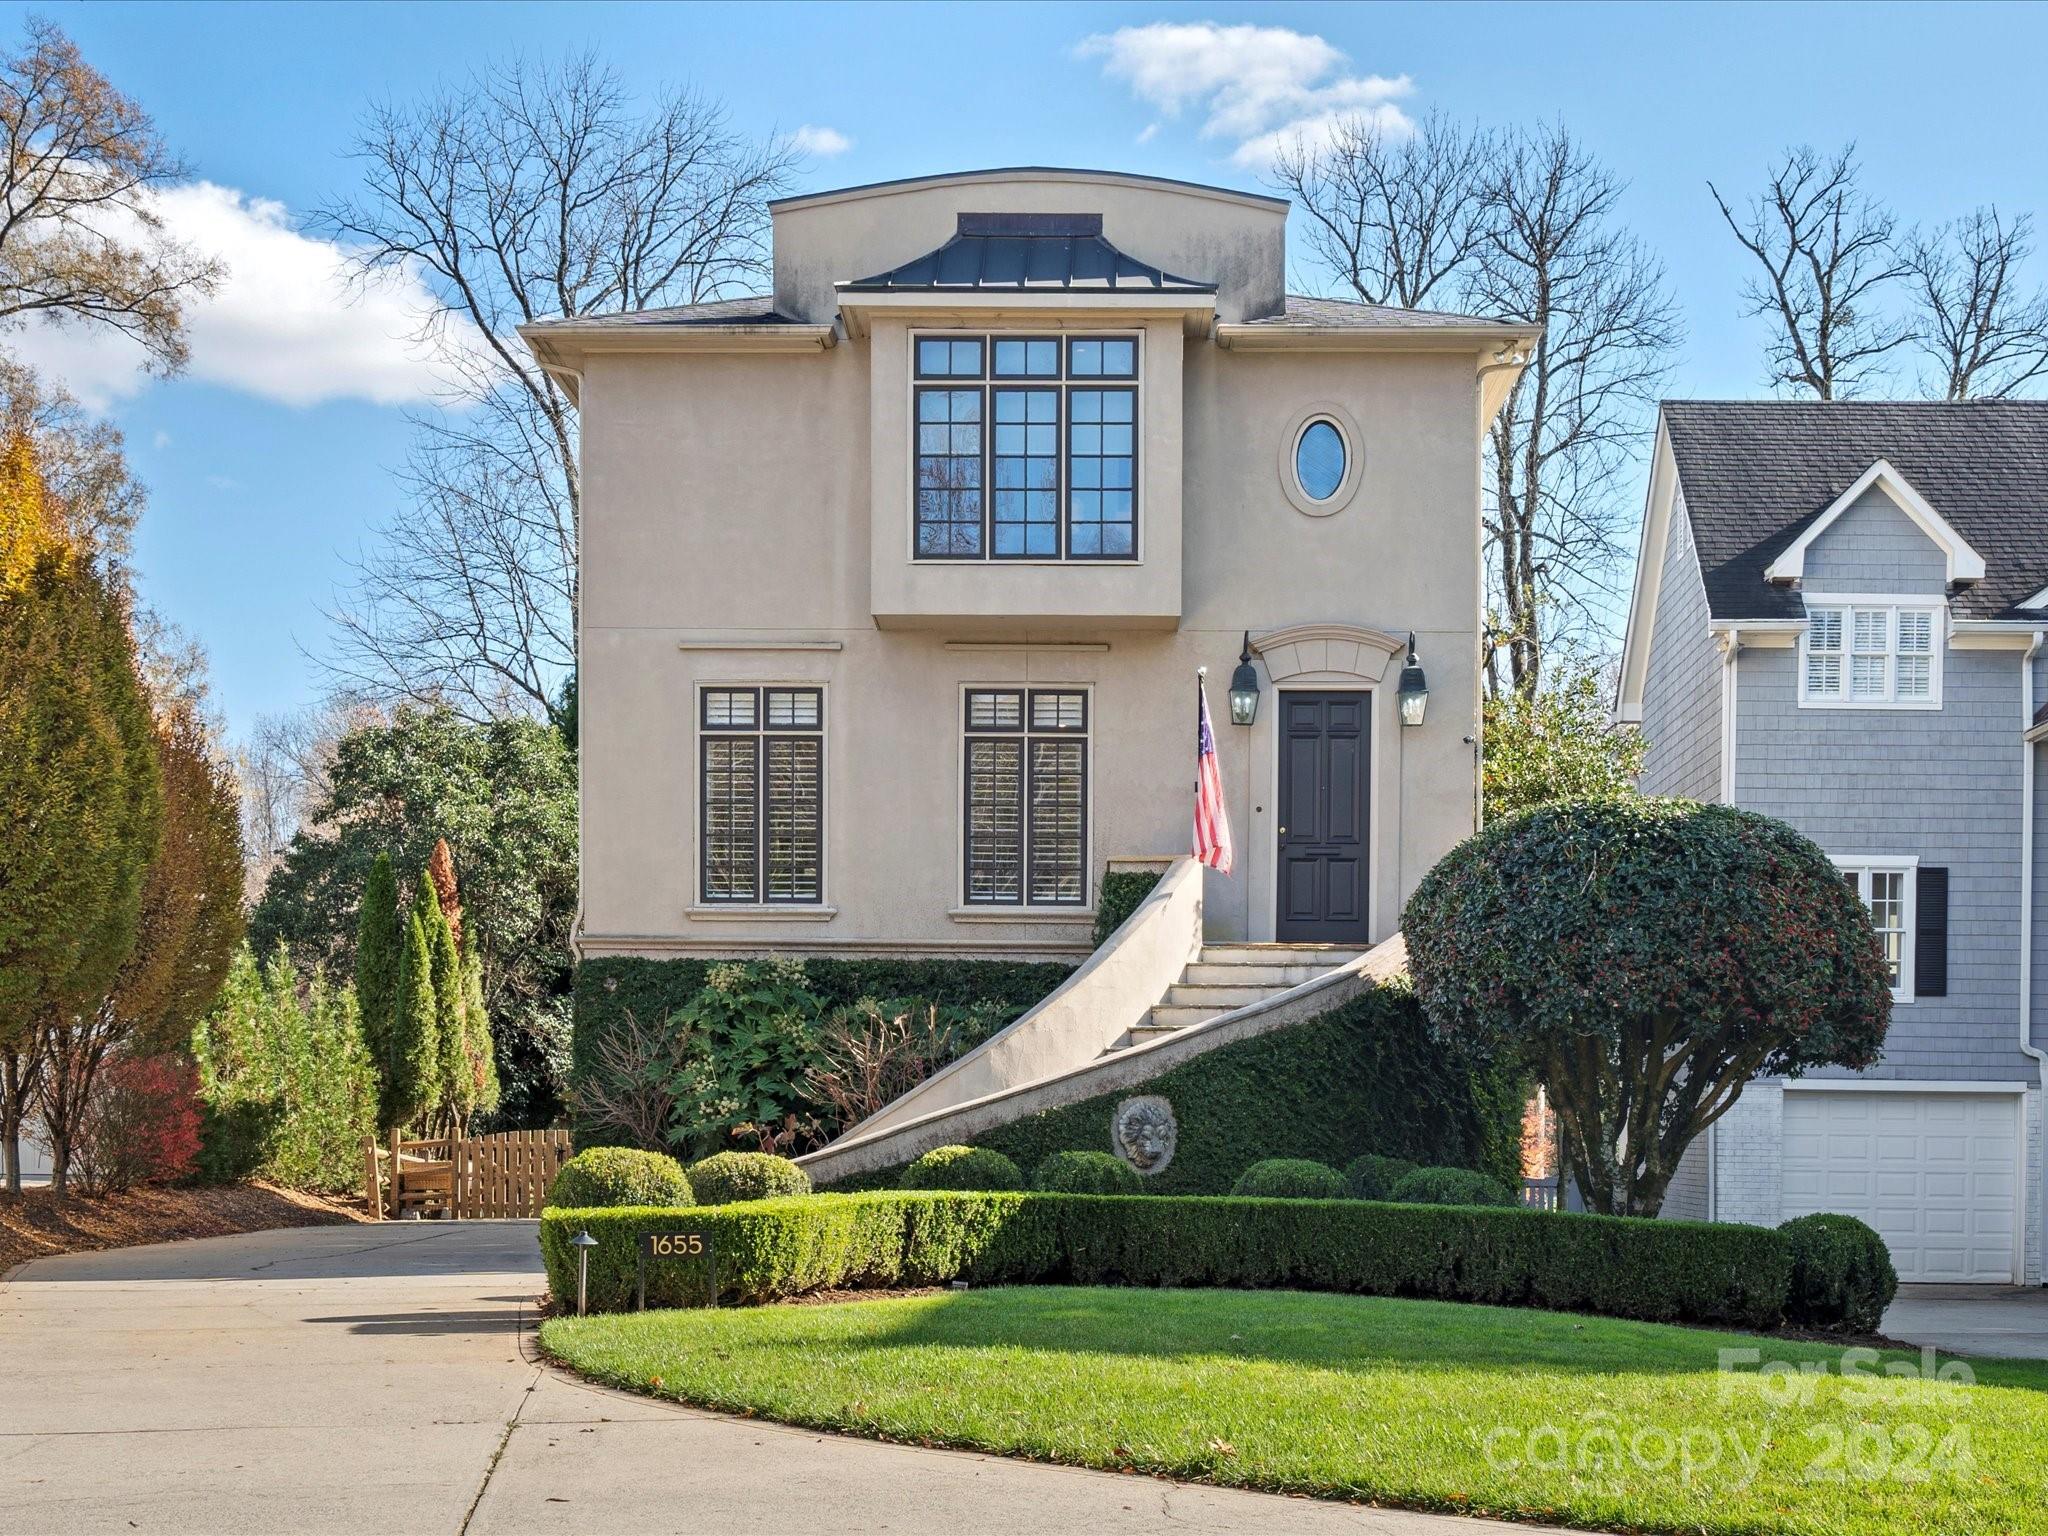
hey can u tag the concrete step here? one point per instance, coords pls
(1276, 977)
(1138, 1033)
(1171, 1016)
(1221, 996)
(1323, 956)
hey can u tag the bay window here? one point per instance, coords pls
(1026, 447)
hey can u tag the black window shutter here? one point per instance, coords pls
(1930, 937)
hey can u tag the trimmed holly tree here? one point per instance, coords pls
(1645, 960)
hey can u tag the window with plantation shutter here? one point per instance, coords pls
(762, 795)
(1868, 653)
(1026, 780)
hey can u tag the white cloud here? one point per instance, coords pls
(1259, 87)
(285, 324)
(812, 139)
(162, 439)
(1148, 133)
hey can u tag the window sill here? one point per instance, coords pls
(1872, 705)
(1077, 915)
(753, 912)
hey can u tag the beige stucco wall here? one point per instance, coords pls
(1233, 240)
(728, 500)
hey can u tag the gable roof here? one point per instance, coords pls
(1756, 475)
(1026, 252)
(1961, 563)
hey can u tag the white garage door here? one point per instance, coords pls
(1936, 1173)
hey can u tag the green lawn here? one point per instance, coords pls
(1540, 1415)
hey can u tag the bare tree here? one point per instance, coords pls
(282, 768)
(528, 191)
(1987, 337)
(1562, 448)
(80, 237)
(1396, 217)
(1827, 252)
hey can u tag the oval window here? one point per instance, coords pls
(1319, 460)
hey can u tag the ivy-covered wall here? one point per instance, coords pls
(607, 989)
(1365, 1077)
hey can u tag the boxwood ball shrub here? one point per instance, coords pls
(1373, 1177)
(1290, 1178)
(1659, 1271)
(1087, 1173)
(1591, 941)
(962, 1168)
(1449, 1186)
(725, 1177)
(620, 1176)
(1842, 1275)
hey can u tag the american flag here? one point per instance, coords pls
(1212, 819)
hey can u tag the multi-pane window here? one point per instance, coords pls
(1026, 771)
(1887, 889)
(1871, 654)
(762, 795)
(1026, 447)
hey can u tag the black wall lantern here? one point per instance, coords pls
(1413, 691)
(1244, 686)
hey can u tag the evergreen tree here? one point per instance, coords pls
(416, 1036)
(81, 797)
(453, 1078)
(482, 1054)
(377, 952)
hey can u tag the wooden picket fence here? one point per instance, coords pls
(471, 1178)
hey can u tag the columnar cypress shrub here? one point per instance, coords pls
(455, 1083)
(414, 1083)
(378, 941)
(479, 1052)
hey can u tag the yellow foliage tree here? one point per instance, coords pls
(30, 530)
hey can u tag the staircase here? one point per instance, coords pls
(1227, 977)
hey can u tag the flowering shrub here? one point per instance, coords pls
(141, 1126)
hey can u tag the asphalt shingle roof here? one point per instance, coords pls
(1027, 251)
(755, 309)
(1304, 313)
(1756, 472)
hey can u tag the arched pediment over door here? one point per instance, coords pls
(1326, 650)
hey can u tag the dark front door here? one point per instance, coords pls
(1325, 744)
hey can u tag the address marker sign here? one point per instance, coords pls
(674, 1247)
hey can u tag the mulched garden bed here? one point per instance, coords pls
(34, 1225)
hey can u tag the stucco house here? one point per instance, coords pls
(895, 579)
(1838, 619)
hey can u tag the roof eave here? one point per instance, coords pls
(565, 346)
(1251, 336)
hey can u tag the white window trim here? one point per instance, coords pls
(1907, 864)
(1897, 604)
(706, 906)
(1023, 912)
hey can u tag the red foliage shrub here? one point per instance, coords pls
(142, 1126)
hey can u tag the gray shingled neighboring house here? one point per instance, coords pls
(1838, 619)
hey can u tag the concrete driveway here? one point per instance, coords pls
(1972, 1319)
(382, 1379)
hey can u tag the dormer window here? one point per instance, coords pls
(1871, 653)
(1026, 447)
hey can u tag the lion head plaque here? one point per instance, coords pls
(1143, 1133)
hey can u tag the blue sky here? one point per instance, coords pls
(270, 463)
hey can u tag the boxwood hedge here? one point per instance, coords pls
(1658, 1271)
